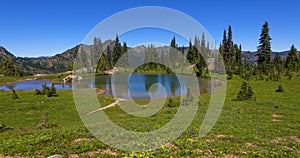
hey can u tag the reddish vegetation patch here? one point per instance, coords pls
(73, 156)
(277, 140)
(230, 156)
(199, 150)
(109, 152)
(295, 138)
(287, 148)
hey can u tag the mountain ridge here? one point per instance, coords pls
(62, 62)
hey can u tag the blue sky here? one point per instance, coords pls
(47, 27)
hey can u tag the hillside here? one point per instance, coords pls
(30, 66)
(250, 56)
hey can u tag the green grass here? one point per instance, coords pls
(266, 127)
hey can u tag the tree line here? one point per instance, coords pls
(265, 66)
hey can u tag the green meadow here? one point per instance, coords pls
(267, 126)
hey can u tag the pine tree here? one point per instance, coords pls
(191, 54)
(292, 60)
(172, 53)
(245, 92)
(229, 40)
(124, 59)
(278, 65)
(102, 64)
(264, 49)
(108, 58)
(117, 51)
(8, 68)
(97, 50)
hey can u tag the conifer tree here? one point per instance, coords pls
(117, 51)
(245, 92)
(108, 58)
(191, 54)
(292, 60)
(264, 49)
(102, 64)
(8, 68)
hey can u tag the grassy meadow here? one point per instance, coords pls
(267, 126)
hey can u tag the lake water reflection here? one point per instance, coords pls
(125, 85)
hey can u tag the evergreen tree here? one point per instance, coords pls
(245, 92)
(292, 60)
(102, 64)
(172, 53)
(108, 58)
(124, 60)
(117, 51)
(97, 50)
(191, 54)
(264, 49)
(278, 65)
(8, 68)
(229, 44)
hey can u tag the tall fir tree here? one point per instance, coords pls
(102, 64)
(292, 60)
(191, 54)
(117, 51)
(264, 49)
(172, 53)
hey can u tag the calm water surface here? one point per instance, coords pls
(125, 85)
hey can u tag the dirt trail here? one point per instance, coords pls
(108, 106)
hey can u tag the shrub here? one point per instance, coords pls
(51, 92)
(37, 92)
(4, 128)
(245, 92)
(280, 89)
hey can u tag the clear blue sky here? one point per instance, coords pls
(48, 27)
